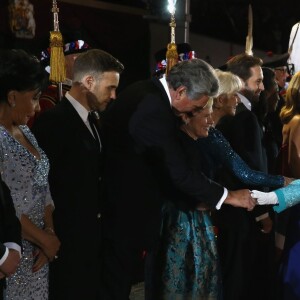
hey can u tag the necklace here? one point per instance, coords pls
(185, 129)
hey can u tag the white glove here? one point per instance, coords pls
(264, 198)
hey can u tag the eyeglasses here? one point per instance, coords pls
(282, 70)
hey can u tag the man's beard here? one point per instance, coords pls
(250, 95)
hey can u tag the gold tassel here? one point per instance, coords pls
(57, 58)
(171, 56)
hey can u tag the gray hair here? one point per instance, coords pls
(229, 82)
(197, 76)
(95, 62)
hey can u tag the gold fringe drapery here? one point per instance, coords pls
(171, 56)
(57, 58)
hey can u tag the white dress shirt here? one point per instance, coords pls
(83, 113)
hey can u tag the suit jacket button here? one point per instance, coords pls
(98, 216)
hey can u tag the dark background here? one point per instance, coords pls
(127, 36)
(227, 20)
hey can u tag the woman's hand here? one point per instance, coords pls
(266, 225)
(46, 240)
(264, 198)
(287, 180)
(41, 260)
(50, 245)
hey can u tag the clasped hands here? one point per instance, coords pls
(269, 198)
(249, 199)
(48, 250)
(241, 198)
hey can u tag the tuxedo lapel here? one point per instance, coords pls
(76, 124)
(159, 85)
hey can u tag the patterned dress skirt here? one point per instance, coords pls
(188, 256)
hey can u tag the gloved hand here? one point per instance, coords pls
(264, 198)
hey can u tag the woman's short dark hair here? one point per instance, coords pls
(20, 71)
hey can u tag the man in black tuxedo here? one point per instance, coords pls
(10, 236)
(245, 237)
(73, 143)
(143, 156)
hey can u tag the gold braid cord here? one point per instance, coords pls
(172, 54)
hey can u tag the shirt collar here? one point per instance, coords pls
(81, 110)
(165, 85)
(68, 82)
(245, 101)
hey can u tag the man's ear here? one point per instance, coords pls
(88, 81)
(185, 119)
(180, 92)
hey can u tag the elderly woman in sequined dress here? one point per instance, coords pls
(24, 168)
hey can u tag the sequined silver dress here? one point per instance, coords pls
(27, 178)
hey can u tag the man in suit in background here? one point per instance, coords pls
(10, 236)
(274, 131)
(73, 144)
(143, 155)
(245, 237)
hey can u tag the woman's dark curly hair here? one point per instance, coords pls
(20, 71)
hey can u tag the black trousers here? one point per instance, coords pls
(247, 259)
(122, 266)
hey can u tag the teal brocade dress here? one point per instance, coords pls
(189, 262)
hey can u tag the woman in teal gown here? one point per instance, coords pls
(283, 199)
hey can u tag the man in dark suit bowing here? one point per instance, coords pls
(10, 236)
(143, 156)
(74, 146)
